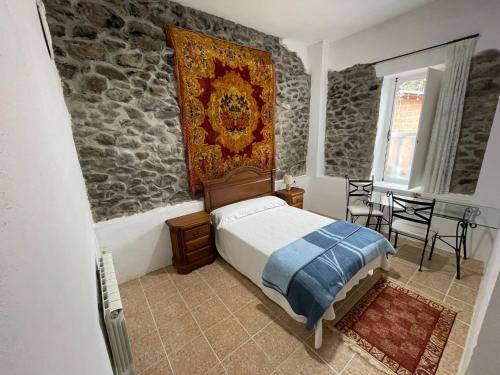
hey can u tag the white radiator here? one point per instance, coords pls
(114, 318)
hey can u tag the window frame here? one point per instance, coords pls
(384, 123)
(397, 80)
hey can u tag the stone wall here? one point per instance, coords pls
(481, 98)
(351, 121)
(120, 88)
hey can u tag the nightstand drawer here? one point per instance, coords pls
(196, 232)
(296, 199)
(197, 243)
(198, 254)
(297, 205)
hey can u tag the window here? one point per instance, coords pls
(407, 106)
(403, 127)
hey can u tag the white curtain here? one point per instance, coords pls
(448, 118)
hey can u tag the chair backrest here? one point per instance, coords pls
(358, 188)
(411, 209)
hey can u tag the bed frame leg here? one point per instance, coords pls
(385, 265)
(318, 334)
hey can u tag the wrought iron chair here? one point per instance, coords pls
(359, 193)
(412, 218)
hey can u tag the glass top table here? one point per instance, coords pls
(468, 213)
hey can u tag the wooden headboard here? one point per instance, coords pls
(239, 184)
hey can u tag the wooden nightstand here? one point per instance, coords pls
(191, 241)
(294, 197)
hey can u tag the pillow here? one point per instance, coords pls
(236, 211)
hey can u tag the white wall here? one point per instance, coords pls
(485, 327)
(141, 243)
(49, 319)
(432, 24)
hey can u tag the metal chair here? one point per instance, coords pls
(359, 193)
(413, 219)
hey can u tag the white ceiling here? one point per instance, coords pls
(307, 21)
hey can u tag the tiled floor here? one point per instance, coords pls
(215, 321)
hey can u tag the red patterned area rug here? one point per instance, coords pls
(401, 329)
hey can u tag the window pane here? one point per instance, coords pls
(408, 101)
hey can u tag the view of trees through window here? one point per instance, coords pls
(407, 106)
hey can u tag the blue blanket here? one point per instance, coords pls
(312, 270)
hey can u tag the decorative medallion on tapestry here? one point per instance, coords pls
(227, 102)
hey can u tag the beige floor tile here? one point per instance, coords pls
(220, 277)
(130, 288)
(426, 291)
(450, 360)
(210, 271)
(195, 358)
(360, 366)
(147, 351)
(160, 292)
(409, 254)
(139, 323)
(154, 278)
(161, 368)
(178, 332)
(334, 351)
(254, 316)
(277, 342)
(297, 328)
(464, 310)
(463, 293)
(248, 359)
(236, 297)
(473, 265)
(210, 313)
(184, 281)
(168, 309)
(401, 271)
(136, 305)
(437, 281)
(444, 268)
(304, 362)
(470, 278)
(133, 298)
(217, 370)
(275, 309)
(459, 333)
(226, 336)
(196, 294)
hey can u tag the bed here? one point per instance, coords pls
(247, 241)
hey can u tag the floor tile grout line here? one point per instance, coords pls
(286, 359)
(319, 355)
(347, 364)
(156, 329)
(457, 344)
(199, 327)
(450, 286)
(237, 320)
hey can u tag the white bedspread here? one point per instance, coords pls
(247, 243)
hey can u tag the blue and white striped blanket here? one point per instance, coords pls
(312, 270)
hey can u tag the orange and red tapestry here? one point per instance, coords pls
(227, 102)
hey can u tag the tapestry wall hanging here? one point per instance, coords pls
(227, 103)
